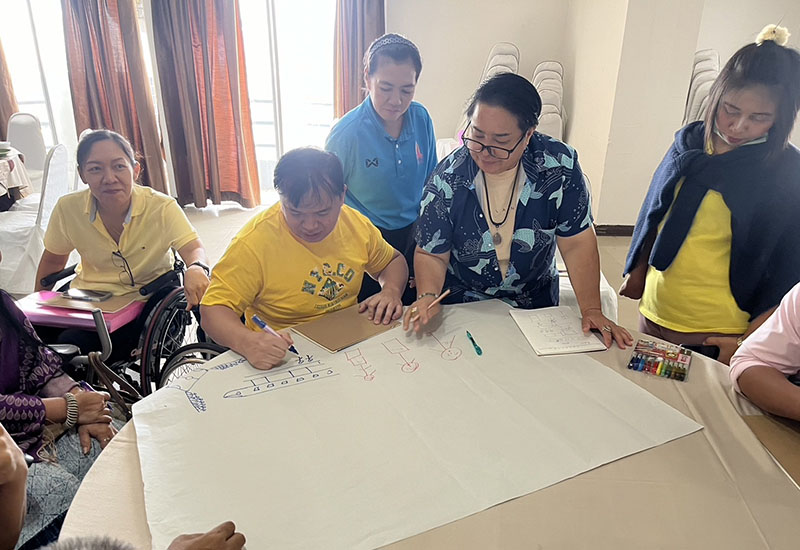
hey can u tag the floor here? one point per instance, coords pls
(217, 225)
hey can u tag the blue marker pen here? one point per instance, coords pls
(266, 328)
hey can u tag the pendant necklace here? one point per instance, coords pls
(497, 238)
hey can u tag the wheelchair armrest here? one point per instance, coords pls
(168, 278)
(49, 280)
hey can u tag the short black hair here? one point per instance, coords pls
(88, 139)
(513, 93)
(394, 46)
(768, 64)
(308, 170)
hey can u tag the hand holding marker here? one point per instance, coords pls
(266, 328)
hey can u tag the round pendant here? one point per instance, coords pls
(496, 238)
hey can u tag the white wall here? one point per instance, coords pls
(454, 38)
(657, 53)
(592, 50)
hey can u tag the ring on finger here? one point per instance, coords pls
(414, 310)
(607, 328)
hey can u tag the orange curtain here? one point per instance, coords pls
(110, 86)
(201, 70)
(8, 101)
(358, 23)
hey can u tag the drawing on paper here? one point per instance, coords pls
(304, 371)
(357, 359)
(396, 347)
(449, 351)
(187, 381)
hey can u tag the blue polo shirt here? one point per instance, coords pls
(384, 175)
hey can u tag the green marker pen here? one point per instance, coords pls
(475, 345)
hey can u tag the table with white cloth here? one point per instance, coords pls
(714, 488)
(14, 179)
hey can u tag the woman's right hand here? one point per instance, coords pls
(93, 407)
(418, 316)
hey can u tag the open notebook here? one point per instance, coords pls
(555, 330)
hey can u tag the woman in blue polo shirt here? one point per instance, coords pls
(494, 210)
(387, 147)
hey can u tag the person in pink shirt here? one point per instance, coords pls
(764, 368)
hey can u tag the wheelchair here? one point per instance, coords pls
(166, 328)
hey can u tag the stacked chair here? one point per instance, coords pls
(503, 58)
(704, 71)
(548, 78)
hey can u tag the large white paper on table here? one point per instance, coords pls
(384, 440)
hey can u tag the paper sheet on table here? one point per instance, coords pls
(555, 330)
(384, 440)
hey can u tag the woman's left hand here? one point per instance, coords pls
(383, 307)
(195, 283)
(594, 319)
(102, 432)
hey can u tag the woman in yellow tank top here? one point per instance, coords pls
(710, 256)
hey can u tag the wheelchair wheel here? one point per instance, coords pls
(188, 358)
(168, 327)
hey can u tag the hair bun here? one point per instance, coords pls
(774, 33)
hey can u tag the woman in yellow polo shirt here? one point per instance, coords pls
(713, 251)
(125, 234)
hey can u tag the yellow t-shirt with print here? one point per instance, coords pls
(269, 272)
(154, 225)
(694, 293)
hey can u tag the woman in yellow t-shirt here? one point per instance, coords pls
(125, 234)
(710, 256)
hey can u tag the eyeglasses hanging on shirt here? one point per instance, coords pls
(126, 275)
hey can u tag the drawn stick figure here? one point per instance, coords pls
(396, 347)
(358, 360)
(449, 352)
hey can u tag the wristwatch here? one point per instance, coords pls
(202, 266)
(72, 411)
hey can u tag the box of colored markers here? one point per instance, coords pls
(661, 359)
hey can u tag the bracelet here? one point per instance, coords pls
(72, 411)
(424, 294)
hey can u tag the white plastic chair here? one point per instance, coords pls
(551, 84)
(25, 134)
(546, 75)
(22, 229)
(554, 66)
(552, 125)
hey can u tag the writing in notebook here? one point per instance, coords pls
(555, 330)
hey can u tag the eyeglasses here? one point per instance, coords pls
(494, 151)
(119, 261)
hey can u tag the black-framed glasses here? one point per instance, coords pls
(494, 151)
(119, 261)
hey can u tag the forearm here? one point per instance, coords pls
(429, 271)
(394, 277)
(758, 321)
(49, 264)
(771, 391)
(224, 326)
(193, 252)
(12, 507)
(583, 266)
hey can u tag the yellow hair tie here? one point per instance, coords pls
(774, 33)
